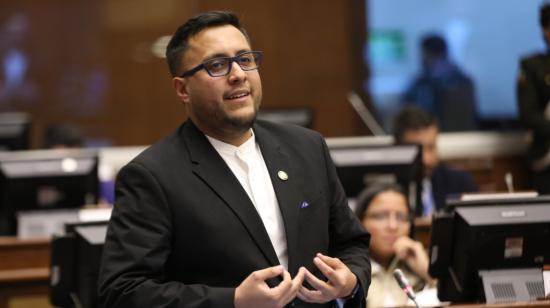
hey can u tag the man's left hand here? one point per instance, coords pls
(341, 281)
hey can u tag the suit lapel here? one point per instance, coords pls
(212, 169)
(288, 195)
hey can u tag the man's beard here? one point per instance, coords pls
(243, 124)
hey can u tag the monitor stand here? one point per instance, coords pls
(512, 285)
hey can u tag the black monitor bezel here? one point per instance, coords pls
(9, 207)
(406, 173)
(457, 273)
(14, 131)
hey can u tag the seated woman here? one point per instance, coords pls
(384, 211)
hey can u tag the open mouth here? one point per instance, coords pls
(238, 95)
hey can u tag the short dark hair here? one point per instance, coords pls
(434, 45)
(368, 194)
(411, 118)
(179, 42)
(544, 17)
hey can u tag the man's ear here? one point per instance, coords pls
(180, 85)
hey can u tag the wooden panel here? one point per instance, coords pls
(21, 254)
(91, 62)
(24, 272)
(489, 172)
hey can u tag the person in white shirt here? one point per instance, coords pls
(230, 211)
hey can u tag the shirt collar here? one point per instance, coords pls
(228, 149)
(376, 268)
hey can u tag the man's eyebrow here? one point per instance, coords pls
(224, 55)
(216, 55)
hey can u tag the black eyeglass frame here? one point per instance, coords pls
(258, 55)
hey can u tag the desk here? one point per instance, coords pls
(544, 303)
(24, 270)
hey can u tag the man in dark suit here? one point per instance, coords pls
(228, 211)
(533, 91)
(413, 125)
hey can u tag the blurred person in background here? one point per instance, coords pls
(62, 135)
(533, 95)
(413, 125)
(67, 136)
(442, 88)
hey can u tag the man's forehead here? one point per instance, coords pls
(421, 130)
(420, 133)
(215, 41)
(226, 36)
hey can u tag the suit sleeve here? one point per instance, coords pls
(137, 246)
(530, 112)
(348, 239)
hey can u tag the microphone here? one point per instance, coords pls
(509, 180)
(368, 119)
(405, 286)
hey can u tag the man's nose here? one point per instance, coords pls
(236, 73)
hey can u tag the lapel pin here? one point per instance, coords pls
(304, 205)
(282, 175)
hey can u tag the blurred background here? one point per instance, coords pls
(99, 64)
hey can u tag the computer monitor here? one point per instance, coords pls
(75, 263)
(493, 199)
(14, 131)
(45, 179)
(493, 251)
(358, 166)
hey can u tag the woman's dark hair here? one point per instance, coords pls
(180, 40)
(368, 194)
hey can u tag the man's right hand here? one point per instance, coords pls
(254, 291)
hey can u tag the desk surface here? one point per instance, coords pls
(544, 303)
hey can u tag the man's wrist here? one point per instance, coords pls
(353, 291)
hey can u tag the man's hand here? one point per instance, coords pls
(412, 253)
(341, 281)
(254, 291)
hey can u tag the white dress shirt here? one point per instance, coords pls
(248, 165)
(428, 203)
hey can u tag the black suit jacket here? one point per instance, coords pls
(448, 182)
(184, 233)
(533, 94)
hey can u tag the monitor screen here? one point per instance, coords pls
(14, 131)
(476, 242)
(358, 166)
(45, 179)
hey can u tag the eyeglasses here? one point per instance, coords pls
(221, 66)
(385, 217)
